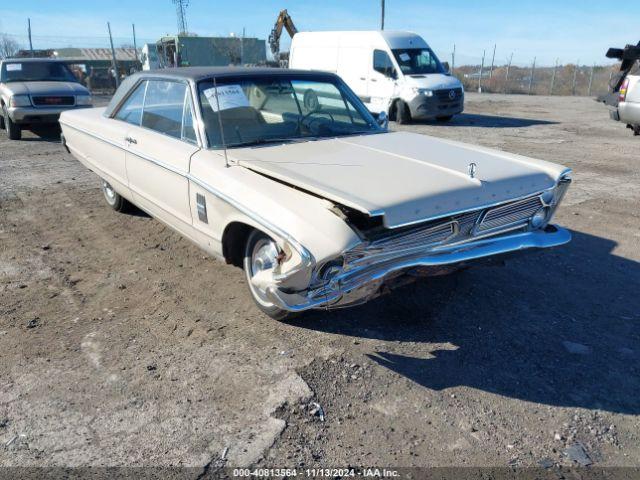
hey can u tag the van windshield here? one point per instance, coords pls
(417, 61)
(283, 108)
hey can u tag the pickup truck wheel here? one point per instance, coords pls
(260, 256)
(14, 132)
(444, 118)
(114, 199)
(403, 115)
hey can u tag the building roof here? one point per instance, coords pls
(96, 54)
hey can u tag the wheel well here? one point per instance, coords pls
(393, 110)
(234, 240)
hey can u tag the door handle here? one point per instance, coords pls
(131, 140)
(374, 80)
(362, 78)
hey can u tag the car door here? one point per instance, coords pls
(382, 81)
(159, 152)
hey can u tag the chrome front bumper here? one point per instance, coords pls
(359, 285)
(32, 114)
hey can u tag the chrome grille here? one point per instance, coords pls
(455, 229)
(415, 238)
(509, 215)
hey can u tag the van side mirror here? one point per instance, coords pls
(383, 120)
(447, 67)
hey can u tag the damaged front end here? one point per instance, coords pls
(387, 258)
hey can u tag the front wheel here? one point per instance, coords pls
(14, 132)
(403, 115)
(114, 199)
(260, 257)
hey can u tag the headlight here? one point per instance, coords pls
(20, 101)
(83, 100)
(427, 92)
(540, 217)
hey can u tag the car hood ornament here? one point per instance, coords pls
(472, 169)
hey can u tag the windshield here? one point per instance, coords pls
(417, 61)
(265, 109)
(36, 72)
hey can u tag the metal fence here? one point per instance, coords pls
(491, 72)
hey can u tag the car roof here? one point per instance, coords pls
(200, 73)
(195, 74)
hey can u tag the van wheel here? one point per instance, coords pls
(259, 255)
(444, 118)
(636, 130)
(14, 132)
(403, 115)
(114, 199)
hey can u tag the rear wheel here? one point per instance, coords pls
(260, 257)
(14, 132)
(403, 115)
(114, 199)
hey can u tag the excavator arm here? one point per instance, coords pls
(284, 21)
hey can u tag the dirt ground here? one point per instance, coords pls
(122, 344)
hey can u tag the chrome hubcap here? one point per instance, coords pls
(263, 260)
(109, 192)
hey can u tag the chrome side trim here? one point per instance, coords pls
(308, 261)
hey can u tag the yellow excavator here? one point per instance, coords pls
(285, 21)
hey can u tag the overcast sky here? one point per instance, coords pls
(570, 30)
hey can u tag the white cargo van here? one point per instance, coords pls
(392, 72)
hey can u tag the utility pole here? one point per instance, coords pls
(30, 42)
(493, 61)
(575, 77)
(135, 45)
(481, 72)
(242, 46)
(453, 59)
(506, 78)
(533, 72)
(181, 7)
(591, 79)
(113, 57)
(553, 77)
(382, 18)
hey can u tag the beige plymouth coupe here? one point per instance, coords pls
(286, 174)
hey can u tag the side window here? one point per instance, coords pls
(382, 63)
(163, 107)
(131, 110)
(188, 130)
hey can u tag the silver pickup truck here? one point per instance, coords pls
(36, 91)
(628, 108)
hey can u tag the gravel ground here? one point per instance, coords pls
(122, 344)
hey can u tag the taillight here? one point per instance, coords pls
(622, 94)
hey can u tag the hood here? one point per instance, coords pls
(435, 81)
(404, 176)
(46, 88)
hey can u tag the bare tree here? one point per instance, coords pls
(8, 46)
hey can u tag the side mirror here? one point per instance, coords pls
(447, 67)
(383, 120)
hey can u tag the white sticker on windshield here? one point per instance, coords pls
(405, 57)
(14, 67)
(229, 96)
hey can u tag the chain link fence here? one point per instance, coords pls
(491, 72)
